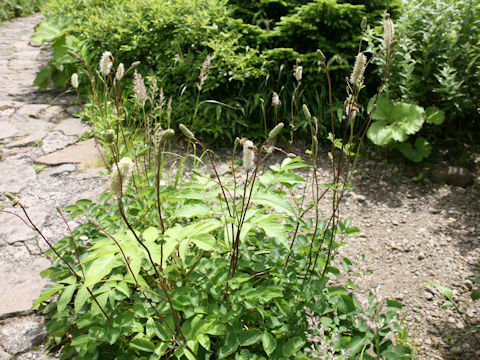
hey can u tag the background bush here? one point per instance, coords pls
(253, 46)
(14, 8)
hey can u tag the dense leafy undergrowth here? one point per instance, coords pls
(15, 8)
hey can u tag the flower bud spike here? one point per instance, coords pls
(363, 24)
(167, 135)
(388, 31)
(275, 131)
(321, 56)
(11, 197)
(74, 80)
(306, 112)
(187, 132)
(358, 69)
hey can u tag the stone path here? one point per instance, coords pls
(43, 160)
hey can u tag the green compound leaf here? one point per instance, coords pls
(46, 293)
(249, 337)
(269, 343)
(99, 269)
(292, 346)
(274, 201)
(142, 344)
(65, 298)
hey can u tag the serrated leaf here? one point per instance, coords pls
(269, 343)
(99, 269)
(182, 249)
(443, 290)
(47, 292)
(65, 298)
(292, 346)
(142, 344)
(274, 201)
(249, 337)
(80, 298)
(192, 210)
(205, 242)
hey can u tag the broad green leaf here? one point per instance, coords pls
(142, 344)
(47, 292)
(292, 346)
(443, 290)
(150, 234)
(193, 345)
(99, 269)
(45, 32)
(102, 300)
(275, 201)
(249, 337)
(205, 242)
(379, 133)
(65, 298)
(269, 343)
(182, 249)
(204, 340)
(192, 210)
(228, 348)
(383, 110)
(80, 299)
(434, 115)
(274, 229)
(421, 151)
(81, 339)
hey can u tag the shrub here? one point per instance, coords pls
(179, 262)
(249, 60)
(15, 8)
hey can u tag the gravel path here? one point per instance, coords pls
(411, 233)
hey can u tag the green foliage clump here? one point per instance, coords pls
(253, 46)
(437, 61)
(395, 122)
(15, 8)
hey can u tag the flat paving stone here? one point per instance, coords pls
(32, 110)
(13, 229)
(65, 168)
(81, 152)
(21, 284)
(27, 140)
(15, 177)
(72, 127)
(56, 140)
(9, 130)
